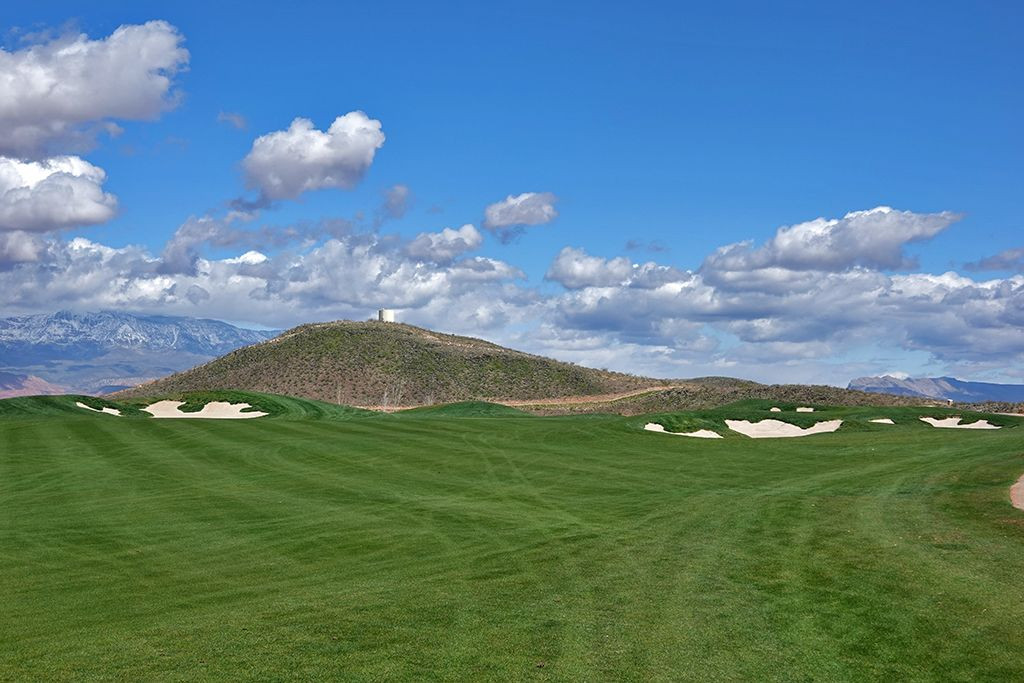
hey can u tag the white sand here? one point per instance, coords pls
(1017, 494)
(883, 421)
(775, 429)
(700, 433)
(104, 409)
(215, 410)
(775, 410)
(805, 410)
(954, 423)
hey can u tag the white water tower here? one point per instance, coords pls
(386, 315)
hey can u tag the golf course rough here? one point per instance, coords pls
(470, 543)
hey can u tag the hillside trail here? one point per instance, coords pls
(559, 401)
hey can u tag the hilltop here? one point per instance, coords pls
(392, 364)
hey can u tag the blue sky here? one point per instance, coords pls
(677, 130)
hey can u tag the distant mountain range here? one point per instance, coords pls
(12, 384)
(108, 351)
(946, 388)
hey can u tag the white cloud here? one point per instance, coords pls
(61, 93)
(874, 239)
(507, 218)
(249, 258)
(19, 247)
(52, 194)
(286, 163)
(575, 269)
(445, 246)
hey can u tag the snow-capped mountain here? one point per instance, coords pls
(941, 388)
(96, 352)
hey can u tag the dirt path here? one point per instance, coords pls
(577, 400)
(1017, 494)
(559, 401)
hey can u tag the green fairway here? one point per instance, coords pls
(477, 543)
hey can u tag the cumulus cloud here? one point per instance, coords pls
(286, 163)
(445, 246)
(19, 247)
(510, 216)
(575, 269)
(60, 93)
(1009, 259)
(52, 194)
(873, 239)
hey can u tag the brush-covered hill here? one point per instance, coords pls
(390, 364)
(703, 393)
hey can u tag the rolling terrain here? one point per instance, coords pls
(390, 366)
(471, 541)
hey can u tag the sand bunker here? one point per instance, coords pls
(883, 421)
(1017, 494)
(804, 409)
(775, 409)
(954, 423)
(215, 410)
(105, 410)
(700, 433)
(775, 429)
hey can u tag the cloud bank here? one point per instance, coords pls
(788, 317)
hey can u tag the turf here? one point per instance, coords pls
(465, 409)
(439, 546)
